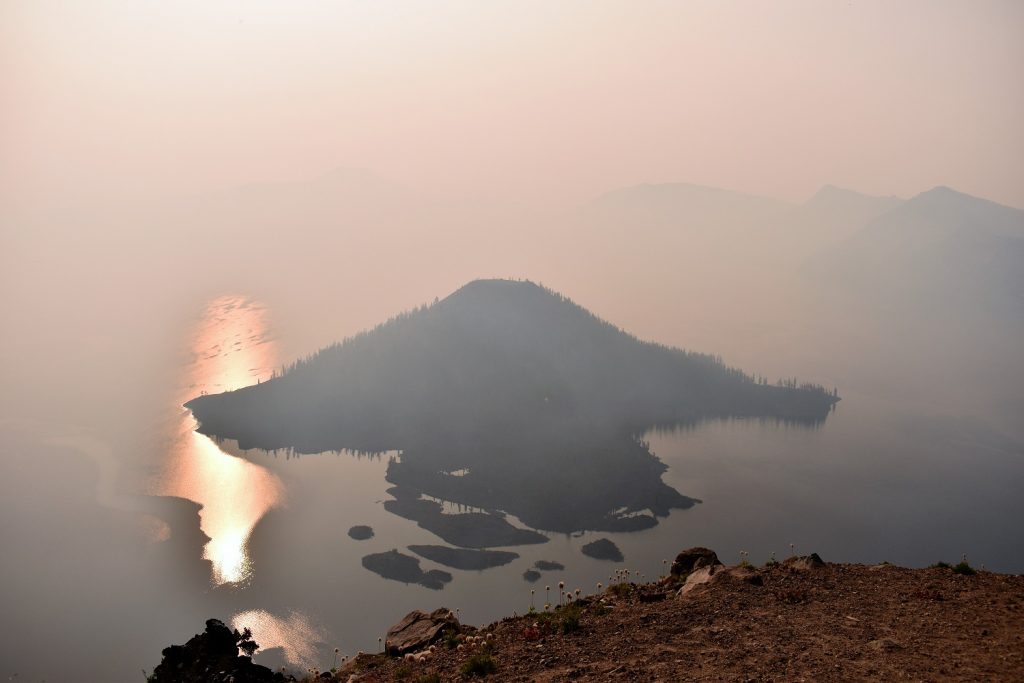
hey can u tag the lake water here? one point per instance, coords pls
(104, 563)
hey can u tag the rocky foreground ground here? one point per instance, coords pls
(800, 620)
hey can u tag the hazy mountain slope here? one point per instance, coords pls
(940, 253)
(927, 301)
(727, 236)
(835, 204)
(828, 218)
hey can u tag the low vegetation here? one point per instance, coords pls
(479, 665)
(964, 568)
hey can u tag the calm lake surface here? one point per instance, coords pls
(124, 529)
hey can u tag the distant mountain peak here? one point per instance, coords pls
(829, 190)
(496, 291)
(497, 283)
(944, 193)
(945, 206)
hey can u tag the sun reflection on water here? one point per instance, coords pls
(294, 634)
(231, 349)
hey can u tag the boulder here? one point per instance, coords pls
(812, 561)
(418, 630)
(699, 577)
(694, 558)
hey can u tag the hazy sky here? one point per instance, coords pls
(534, 101)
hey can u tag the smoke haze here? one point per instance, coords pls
(194, 194)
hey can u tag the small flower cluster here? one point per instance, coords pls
(421, 656)
(620, 576)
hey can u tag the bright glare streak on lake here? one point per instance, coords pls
(294, 634)
(231, 350)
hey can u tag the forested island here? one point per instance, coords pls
(505, 397)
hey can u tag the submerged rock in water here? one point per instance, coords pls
(405, 568)
(603, 549)
(435, 579)
(548, 566)
(468, 530)
(531, 575)
(461, 558)
(361, 532)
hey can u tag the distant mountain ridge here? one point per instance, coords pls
(832, 195)
(941, 251)
(947, 208)
(720, 225)
(849, 209)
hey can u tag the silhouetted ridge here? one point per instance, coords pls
(839, 200)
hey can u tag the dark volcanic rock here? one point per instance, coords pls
(435, 579)
(488, 389)
(531, 575)
(361, 532)
(812, 561)
(692, 559)
(213, 656)
(548, 566)
(603, 549)
(460, 558)
(702, 575)
(468, 530)
(405, 568)
(418, 630)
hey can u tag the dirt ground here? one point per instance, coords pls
(836, 622)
